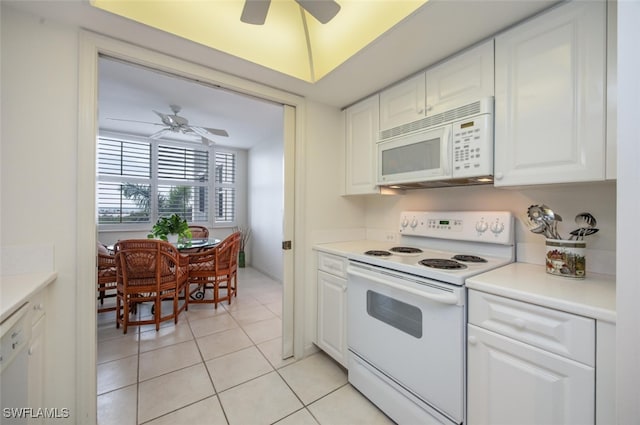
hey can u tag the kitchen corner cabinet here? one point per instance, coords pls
(361, 124)
(550, 97)
(332, 306)
(528, 364)
(463, 78)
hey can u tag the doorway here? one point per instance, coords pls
(92, 46)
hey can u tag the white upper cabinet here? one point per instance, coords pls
(463, 79)
(361, 123)
(403, 103)
(550, 97)
(459, 80)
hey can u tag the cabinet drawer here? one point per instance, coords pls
(561, 333)
(333, 264)
(37, 303)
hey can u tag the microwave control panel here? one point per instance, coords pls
(473, 147)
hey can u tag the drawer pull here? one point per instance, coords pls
(472, 340)
(519, 324)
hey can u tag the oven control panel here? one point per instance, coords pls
(481, 226)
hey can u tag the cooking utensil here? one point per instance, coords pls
(579, 234)
(585, 221)
(537, 227)
(544, 214)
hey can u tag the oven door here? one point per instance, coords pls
(411, 330)
(417, 157)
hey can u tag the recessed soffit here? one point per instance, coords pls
(291, 41)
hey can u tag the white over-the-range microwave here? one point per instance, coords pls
(453, 148)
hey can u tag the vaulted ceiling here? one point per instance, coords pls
(435, 30)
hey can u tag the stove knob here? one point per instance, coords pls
(497, 227)
(414, 223)
(404, 223)
(482, 226)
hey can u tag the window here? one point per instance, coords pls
(139, 181)
(225, 204)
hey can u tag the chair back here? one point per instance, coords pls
(149, 270)
(235, 238)
(146, 262)
(199, 232)
(106, 277)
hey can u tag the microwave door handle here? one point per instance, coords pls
(441, 298)
(447, 159)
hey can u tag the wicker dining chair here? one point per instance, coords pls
(149, 270)
(212, 271)
(106, 277)
(199, 232)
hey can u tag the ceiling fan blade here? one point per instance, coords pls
(159, 134)
(322, 10)
(255, 11)
(217, 131)
(140, 122)
(202, 133)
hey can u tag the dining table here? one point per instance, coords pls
(197, 245)
(191, 246)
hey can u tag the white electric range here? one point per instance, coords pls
(406, 310)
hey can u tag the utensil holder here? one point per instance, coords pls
(566, 258)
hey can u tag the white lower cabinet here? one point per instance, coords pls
(510, 382)
(514, 374)
(332, 306)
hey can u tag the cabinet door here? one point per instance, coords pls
(463, 79)
(403, 103)
(550, 98)
(509, 382)
(36, 369)
(362, 128)
(332, 316)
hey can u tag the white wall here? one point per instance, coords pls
(329, 217)
(39, 137)
(628, 285)
(266, 205)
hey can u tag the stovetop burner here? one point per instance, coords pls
(377, 253)
(469, 258)
(405, 250)
(442, 263)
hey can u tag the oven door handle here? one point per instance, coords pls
(441, 298)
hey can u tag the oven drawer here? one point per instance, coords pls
(561, 333)
(332, 264)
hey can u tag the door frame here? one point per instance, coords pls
(91, 46)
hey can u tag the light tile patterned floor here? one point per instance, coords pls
(222, 367)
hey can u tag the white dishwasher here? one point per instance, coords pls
(15, 332)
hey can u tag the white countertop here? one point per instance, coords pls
(594, 296)
(15, 290)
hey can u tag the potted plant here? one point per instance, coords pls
(170, 229)
(245, 234)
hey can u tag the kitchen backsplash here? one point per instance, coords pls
(599, 199)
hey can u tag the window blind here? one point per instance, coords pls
(225, 179)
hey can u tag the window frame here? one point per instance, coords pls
(154, 180)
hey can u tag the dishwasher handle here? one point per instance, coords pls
(445, 298)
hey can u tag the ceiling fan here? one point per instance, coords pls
(174, 123)
(255, 11)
